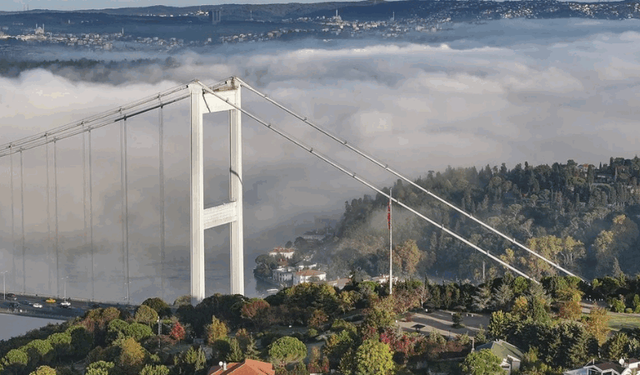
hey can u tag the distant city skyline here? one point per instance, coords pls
(18, 5)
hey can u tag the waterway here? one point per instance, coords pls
(16, 325)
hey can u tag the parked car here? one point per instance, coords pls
(37, 305)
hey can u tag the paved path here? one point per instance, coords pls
(441, 321)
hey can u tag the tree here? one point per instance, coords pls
(177, 332)
(43, 370)
(155, 370)
(337, 345)
(502, 297)
(482, 298)
(482, 362)
(597, 324)
(373, 358)
(190, 362)
(616, 347)
(146, 314)
(138, 331)
(160, 306)
(318, 319)
(217, 330)
(131, 357)
(570, 310)
(235, 354)
(457, 320)
(100, 368)
(407, 256)
(286, 350)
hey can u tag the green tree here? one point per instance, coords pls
(155, 370)
(43, 370)
(160, 306)
(457, 320)
(235, 354)
(217, 330)
(100, 368)
(146, 315)
(379, 318)
(138, 331)
(500, 325)
(338, 344)
(407, 256)
(482, 362)
(131, 358)
(597, 323)
(373, 358)
(616, 347)
(286, 350)
(190, 362)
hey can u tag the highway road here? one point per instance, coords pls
(27, 305)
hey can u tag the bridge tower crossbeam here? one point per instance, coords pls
(228, 98)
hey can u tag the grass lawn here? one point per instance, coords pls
(619, 321)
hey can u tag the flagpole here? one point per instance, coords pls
(389, 219)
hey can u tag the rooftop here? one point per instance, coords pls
(246, 367)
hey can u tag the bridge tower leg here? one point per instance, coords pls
(202, 101)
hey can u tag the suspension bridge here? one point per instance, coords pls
(221, 97)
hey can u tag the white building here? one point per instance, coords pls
(283, 252)
(282, 274)
(624, 367)
(306, 276)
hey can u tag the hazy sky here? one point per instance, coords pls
(16, 5)
(505, 91)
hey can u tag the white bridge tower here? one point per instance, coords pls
(201, 218)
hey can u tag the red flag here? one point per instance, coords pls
(389, 214)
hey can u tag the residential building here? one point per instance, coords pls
(509, 354)
(306, 276)
(282, 252)
(623, 367)
(283, 275)
(246, 367)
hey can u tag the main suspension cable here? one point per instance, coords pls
(366, 183)
(397, 174)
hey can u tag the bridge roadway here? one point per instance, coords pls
(24, 305)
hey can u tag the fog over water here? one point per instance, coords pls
(505, 91)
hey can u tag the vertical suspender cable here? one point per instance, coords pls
(55, 207)
(84, 187)
(13, 218)
(162, 207)
(48, 212)
(125, 203)
(93, 290)
(24, 262)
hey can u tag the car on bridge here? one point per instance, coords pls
(12, 296)
(37, 305)
(50, 300)
(65, 304)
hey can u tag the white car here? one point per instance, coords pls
(65, 304)
(37, 305)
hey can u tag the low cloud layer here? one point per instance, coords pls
(504, 91)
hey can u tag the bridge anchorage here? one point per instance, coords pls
(223, 96)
